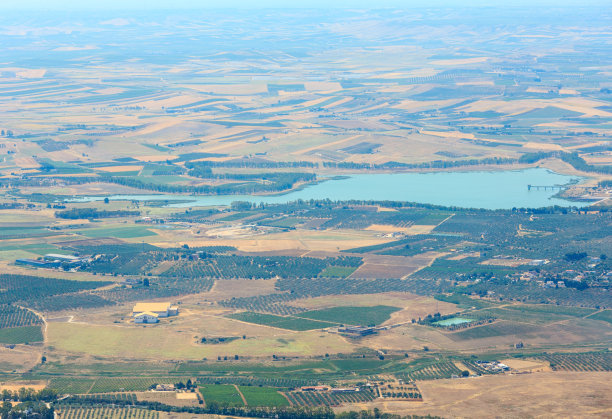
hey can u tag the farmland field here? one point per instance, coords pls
(77, 412)
(222, 394)
(438, 174)
(263, 396)
(24, 334)
(290, 323)
(366, 316)
(605, 315)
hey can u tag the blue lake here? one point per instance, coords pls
(472, 189)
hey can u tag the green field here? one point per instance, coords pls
(493, 330)
(26, 334)
(464, 301)
(223, 394)
(536, 314)
(552, 309)
(366, 316)
(282, 322)
(337, 271)
(117, 232)
(263, 396)
(359, 364)
(605, 315)
(71, 385)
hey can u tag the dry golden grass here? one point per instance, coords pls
(543, 146)
(179, 339)
(151, 158)
(525, 365)
(228, 288)
(16, 385)
(328, 144)
(168, 397)
(328, 240)
(113, 169)
(386, 228)
(21, 358)
(460, 61)
(538, 395)
(448, 134)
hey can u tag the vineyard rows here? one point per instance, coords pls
(310, 399)
(25, 289)
(159, 288)
(12, 316)
(590, 361)
(433, 371)
(110, 385)
(110, 397)
(259, 267)
(82, 412)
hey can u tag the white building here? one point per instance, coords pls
(164, 309)
(146, 317)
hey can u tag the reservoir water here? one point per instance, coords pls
(471, 189)
(453, 321)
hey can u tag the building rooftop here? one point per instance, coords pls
(146, 313)
(142, 307)
(58, 256)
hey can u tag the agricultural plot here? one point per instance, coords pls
(227, 124)
(26, 289)
(366, 316)
(129, 232)
(12, 316)
(314, 399)
(604, 315)
(588, 361)
(337, 271)
(108, 384)
(361, 365)
(24, 334)
(263, 396)
(428, 369)
(290, 323)
(278, 303)
(128, 398)
(223, 394)
(236, 266)
(87, 412)
(71, 385)
(499, 328)
(536, 314)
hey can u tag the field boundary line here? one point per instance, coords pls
(282, 393)
(595, 312)
(241, 395)
(257, 324)
(92, 386)
(44, 333)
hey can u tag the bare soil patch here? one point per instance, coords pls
(538, 395)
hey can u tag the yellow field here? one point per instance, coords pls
(538, 395)
(179, 339)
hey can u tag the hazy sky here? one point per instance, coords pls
(195, 4)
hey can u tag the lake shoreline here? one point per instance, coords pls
(466, 189)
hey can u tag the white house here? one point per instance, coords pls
(146, 317)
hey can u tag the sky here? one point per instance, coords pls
(250, 4)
